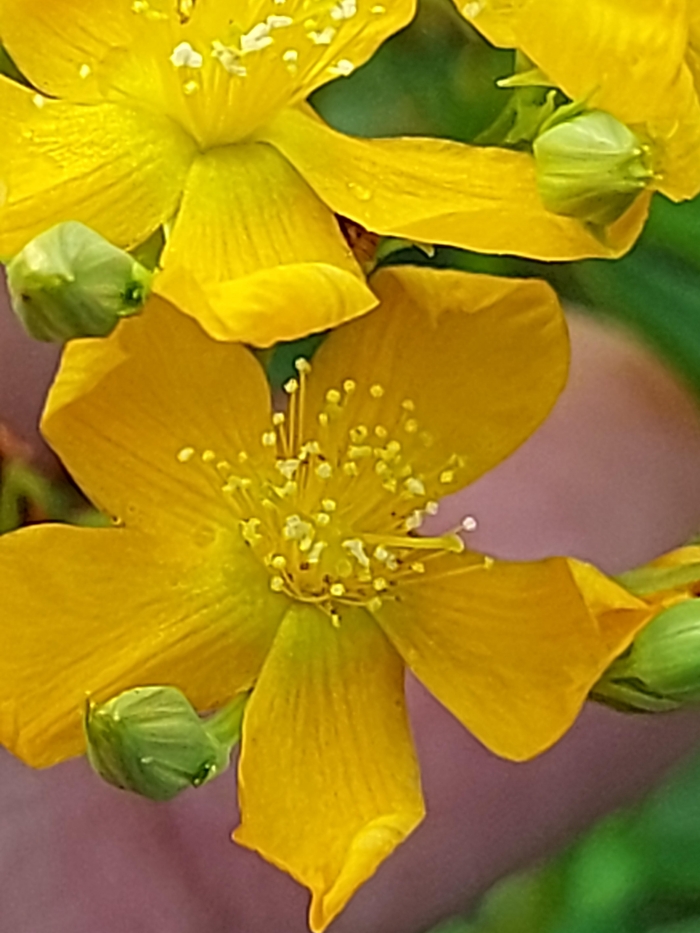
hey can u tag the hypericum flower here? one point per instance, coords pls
(150, 113)
(279, 550)
(635, 59)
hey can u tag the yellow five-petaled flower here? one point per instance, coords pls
(153, 112)
(280, 550)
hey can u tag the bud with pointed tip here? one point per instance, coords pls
(151, 741)
(661, 669)
(70, 282)
(591, 167)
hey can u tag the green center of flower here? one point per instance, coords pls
(336, 523)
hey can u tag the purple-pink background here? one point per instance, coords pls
(613, 476)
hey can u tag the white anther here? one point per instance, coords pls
(302, 366)
(296, 529)
(324, 470)
(269, 439)
(276, 584)
(356, 547)
(229, 58)
(337, 589)
(184, 56)
(469, 523)
(279, 22)
(325, 37)
(345, 9)
(432, 508)
(279, 562)
(315, 552)
(291, 386)
(342, 68)
(414, 520)
(257, 39)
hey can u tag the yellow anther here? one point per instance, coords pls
(279, 562)
(377, 391)
(381, 432)
(278, 418)
(249, 530)
(411, 426)
(344, 568)
(375, 604)
(185, 454)
(447, 476)
(323, 419)
(432, 508)
(408, 404)
(324, 470)
(242, 456)
(379, 584)
(315, 552)
(208, 456)
(322, 519)
(418, 567)
(302, 366)
(359, 453)
(333, 396)
(414, 520)
(358, 434)
(296, 529)
(350, 469)
(276, 584)
(269, 439)
(415, 486)
(356, 547)
(488, 563)
(337, 589)
(329, 505)
(291, 386)
(287, 467)
(349, 386)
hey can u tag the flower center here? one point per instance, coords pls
(335, 522)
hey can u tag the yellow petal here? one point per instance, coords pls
(614, 607)
(92, 612)
(480, 198)
(116, 169)
(624, 56)
(245, 209)
(459, 369)
(328, 779)
(127, 411)
(282, 303)
(60, 45)
(509, 648)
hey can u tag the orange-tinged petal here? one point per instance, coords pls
(613, 606)
(61, 45)
(245, 209)
(509, 648)
(328, 779)
(432, 190)
(116, 169)
(92, 612)
(464, 368)
(124, 409)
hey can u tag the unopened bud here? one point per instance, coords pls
(591, 167)
(661, 669)
(70, 282)
(151, 741)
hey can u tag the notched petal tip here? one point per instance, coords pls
(370, 847)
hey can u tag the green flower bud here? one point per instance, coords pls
(151, 741)
(661, 669)
(70, 282)
(591, 167)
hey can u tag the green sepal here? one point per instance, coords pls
(70, 282)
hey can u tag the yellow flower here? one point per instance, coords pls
(278, 550)
(150, 113)
(636, 59)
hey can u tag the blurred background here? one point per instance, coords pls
(613, 477)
